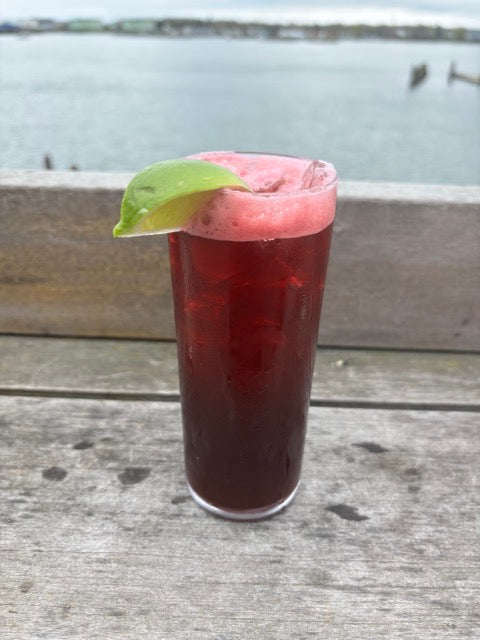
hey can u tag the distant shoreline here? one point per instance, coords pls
(230, 29)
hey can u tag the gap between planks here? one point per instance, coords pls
(159, 397)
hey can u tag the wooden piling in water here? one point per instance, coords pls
(454, 75)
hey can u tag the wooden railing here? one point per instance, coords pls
(404, 270)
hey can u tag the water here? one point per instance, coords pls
(106, 102)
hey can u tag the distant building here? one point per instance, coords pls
(136, 26)
(187, 28)
(291, 33)
(47, 24)
(472, 35)
(28, 24)
(83, 25)
(9, 27)
(264, 31)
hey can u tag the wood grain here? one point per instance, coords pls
(404, 271)
(85, 555)
(61, 272)
(144, 368)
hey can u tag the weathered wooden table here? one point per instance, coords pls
(98, 537)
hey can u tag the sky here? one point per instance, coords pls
(442, 12)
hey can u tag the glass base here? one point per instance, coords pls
(247, 514)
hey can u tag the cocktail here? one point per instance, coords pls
(248, 273)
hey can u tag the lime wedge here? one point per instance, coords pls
(164, 196)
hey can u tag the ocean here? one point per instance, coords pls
(117, 103)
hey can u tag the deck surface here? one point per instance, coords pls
(99, 539)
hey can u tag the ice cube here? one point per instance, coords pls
(311, 174)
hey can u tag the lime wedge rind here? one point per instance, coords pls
(164, 196)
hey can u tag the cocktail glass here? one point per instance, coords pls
(247, 314)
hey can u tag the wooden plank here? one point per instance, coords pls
(61, 272)
(86, 555)
(405, 271)
(402, 274)
(140, 368)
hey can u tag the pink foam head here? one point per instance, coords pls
(292, 197)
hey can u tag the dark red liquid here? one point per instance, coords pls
(247, 318)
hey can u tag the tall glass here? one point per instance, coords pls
(247, 314)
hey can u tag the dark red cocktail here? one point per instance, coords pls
(247, 314)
